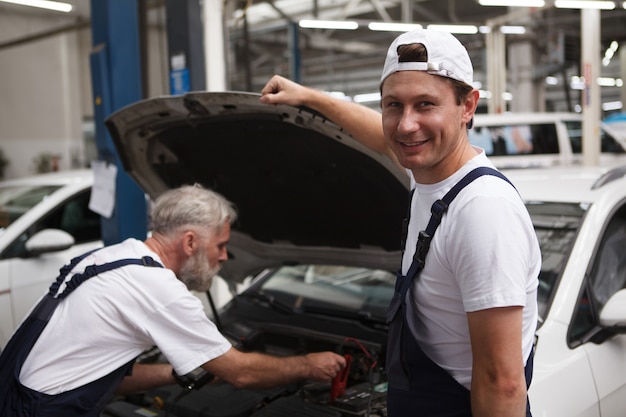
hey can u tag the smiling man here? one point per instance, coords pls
(463, 318)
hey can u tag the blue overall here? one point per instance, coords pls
(17, 400)
(417, 385)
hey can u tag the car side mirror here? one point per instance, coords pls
(48, 240)
(613, 315)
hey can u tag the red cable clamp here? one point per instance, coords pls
(338, 388)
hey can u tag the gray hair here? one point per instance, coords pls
(191, 205)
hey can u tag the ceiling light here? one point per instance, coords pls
(584, 4)
(43, 4)
(393, 27)
(513, 30)
(459, 29)
(367, 98)
(329, 24)
(609, 53)
(513, 3)
(550, 80)
(607, 82)
(612, 105)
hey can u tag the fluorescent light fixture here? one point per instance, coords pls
(551, 80)
(607, 82)
(43, 4)
(329, 24)
(459, 29)
(484, 29)
(584, 4)
(612, 105)
(393, 27)
(484, 94)
(609, 53)
(513, 3)
(367, 98)
(513, 30)
(577, 83)
(339, 95)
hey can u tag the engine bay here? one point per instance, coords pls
(360, 390)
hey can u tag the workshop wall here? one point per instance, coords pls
(46, 106)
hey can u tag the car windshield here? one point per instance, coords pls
(363, 292)
(17, 200)
(556, 225)
(333, 289)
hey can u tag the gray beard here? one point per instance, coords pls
(197, 274)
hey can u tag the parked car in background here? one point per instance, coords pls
(319, 233)
(522, 140)
(44, 222)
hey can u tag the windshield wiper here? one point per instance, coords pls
(272, 301)
(363, 316)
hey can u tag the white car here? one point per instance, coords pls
(522, 140)
(44, 222)
(580, 218)
(319, 229)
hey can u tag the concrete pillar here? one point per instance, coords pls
(215, 58)
(622, 75)
(590, 35)
(496, 70)
(520, 71)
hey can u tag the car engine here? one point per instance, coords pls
(358, 391)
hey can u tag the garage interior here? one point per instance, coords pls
(47, 115)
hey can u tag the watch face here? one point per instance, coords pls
(196, 373)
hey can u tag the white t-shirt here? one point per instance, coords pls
(113, 317)
(485, 254)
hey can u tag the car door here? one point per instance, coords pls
(606, 354)
(30, 276)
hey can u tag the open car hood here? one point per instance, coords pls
(305, 191)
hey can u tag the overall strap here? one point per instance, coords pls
(52, 291)
(21, 343)
(437, 210)
(93, 270)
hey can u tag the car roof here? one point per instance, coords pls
(61, 178)
(526, 117)
(569, 184)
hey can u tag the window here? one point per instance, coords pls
(519, 139)
(73, 216)
(575, 132)
(608, 275)
(556, 225)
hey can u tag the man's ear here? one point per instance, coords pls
(470, 105)
(189, 242)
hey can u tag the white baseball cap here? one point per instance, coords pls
(447, 57)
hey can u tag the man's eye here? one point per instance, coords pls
(392, 104)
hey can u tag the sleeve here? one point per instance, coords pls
(491, 251)
(177, 323)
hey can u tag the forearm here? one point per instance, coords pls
(263, 371)
(257, 370)
(361, 122)
(145, 377)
